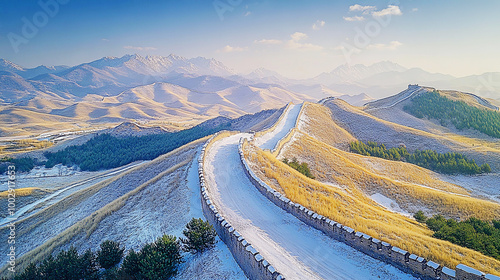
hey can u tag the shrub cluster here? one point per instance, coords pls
(21, 164)
(448, 163)
(473, 233)
(301, 167)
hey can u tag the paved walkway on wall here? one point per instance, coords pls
(271, 139)
(293, 248)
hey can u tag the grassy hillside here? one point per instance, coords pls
(462, 115)
(89, 207)
(349, 206)
(366, 127)
(322, 141)
(421, 189)
(318, 116)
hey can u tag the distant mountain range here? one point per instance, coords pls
(379, 80)
(134, 87)
(385, 78)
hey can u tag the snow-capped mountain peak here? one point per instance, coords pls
(6, 65)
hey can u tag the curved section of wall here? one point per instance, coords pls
(260, 133)
(288, 136)
(373, 247)
(290, 133)
(248, 258)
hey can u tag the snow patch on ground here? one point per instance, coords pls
(483, 186)
(217, 263)
(270, 140)
(304, 121)
(61, 192)
(389, 204)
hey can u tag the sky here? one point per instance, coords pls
(298, 39)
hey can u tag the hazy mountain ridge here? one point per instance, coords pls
(117, 89)
(379, 80)
(134, 87)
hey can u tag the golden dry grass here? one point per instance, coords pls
(460, 96)
(18, 146)
(321, 127)
(20, 192)
(397, 127)
(318, 116)
(479, 145)
(407, 184)
(351, 207)
(460, 143)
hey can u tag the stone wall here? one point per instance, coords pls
(289, 135)
(260, 133)
(373, 247)
(248, 258)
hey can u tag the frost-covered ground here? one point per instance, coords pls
(389, 204)
(484, 185)
(162, 207)
(269, 140)
(28, 206)
(47, 178)
(165, 207)
(293, 248)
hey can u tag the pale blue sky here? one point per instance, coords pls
(299, 39)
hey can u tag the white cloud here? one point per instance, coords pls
(105, 40)
(414, 10)
(354, 18)
(140, 48)
(364, 9)
(390, 10)
(297, 36)
(267, 42)
(229, 49)
(391, 46)
(318, 24)
(295, 43)
(248, 13)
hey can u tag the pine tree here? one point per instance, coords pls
(110, 254)
(200, 236)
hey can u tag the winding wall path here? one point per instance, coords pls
(292, 247)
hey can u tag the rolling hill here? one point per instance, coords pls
(111, 90)
(350, 188)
